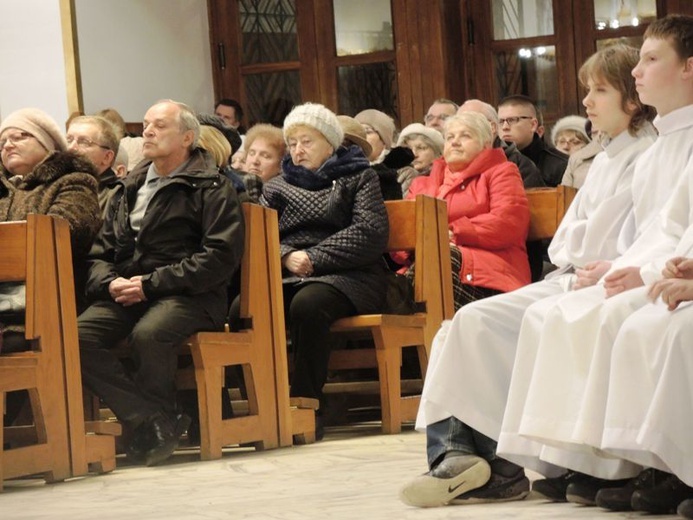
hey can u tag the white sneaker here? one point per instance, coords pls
(451, 478)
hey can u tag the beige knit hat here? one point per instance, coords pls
(40, 125)
(380, 122)
(354, 132)
(320, 118)
(432, 135)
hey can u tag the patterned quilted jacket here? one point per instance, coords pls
(338, 217)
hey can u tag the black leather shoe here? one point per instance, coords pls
(662, 499)
(162, 433)
(584, 491)
(619, 498)
(685, 509)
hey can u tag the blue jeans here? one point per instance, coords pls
(451, 434)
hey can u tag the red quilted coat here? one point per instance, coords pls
(488, 215)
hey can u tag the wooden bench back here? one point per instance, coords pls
(547, 206)
(28, 252)
(421, 226)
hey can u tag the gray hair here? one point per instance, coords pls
(108, 133)
(477, 124)
(187, 120)
(485, 109)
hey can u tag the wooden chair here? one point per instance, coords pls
(28, 253)
(419, 226)
(547, 206)
(252, 348)
(92, 443)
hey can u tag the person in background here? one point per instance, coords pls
(120, 164)
(94, 138)
(130, 142)
(569, 135)
(333, 231)
(427, 145)
(531, 176)
(380, 132)
(580, 162)
(438, 112)
(231, 112)
(355, 134)
(518, 123)
(265, 149)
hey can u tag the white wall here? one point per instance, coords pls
(135, 52)
(32, 66)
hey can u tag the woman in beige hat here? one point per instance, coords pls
(39, 175)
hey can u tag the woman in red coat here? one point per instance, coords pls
(488, 212)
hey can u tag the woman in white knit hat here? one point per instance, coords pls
(333, 230)
(39, 175)
(427, 145)
(569, 134)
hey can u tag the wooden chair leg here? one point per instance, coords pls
(389, 358)
(209, 383)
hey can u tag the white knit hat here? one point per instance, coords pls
(379, 121)
(320, 118)
(39, 124)
(433, 135)
(575, 123)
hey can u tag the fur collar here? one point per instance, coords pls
(53, 167)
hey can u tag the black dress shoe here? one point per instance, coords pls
(619, 498)
(662, 499)
(161, 435)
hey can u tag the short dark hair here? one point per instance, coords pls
(227, 102)
(521, 100)
(678, 29)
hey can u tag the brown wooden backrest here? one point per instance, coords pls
(421, 226)
(547, 206)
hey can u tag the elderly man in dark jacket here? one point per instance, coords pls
(172, 238)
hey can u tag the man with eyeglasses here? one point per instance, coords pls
(518, 123)
(94, 138)
(438, 112)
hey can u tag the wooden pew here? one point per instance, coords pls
(252, 348)
(28, 253)
(547, 206)
(419, 226)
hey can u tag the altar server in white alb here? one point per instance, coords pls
(649, 411)
(468, 375)
(561, 373)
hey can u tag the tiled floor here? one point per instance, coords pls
(353, 474)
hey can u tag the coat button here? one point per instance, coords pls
(469, 277)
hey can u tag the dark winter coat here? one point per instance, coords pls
(190, 241)
(338, 217)
(550, 161)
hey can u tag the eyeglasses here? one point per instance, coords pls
(512, 121)
(570, 142)
(84, 142)
(440, 117)
(15, 139)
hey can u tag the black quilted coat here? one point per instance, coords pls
(338, 217)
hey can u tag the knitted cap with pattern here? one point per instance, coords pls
(317, 116)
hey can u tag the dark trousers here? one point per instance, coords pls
(310, 310)
(154, 331)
